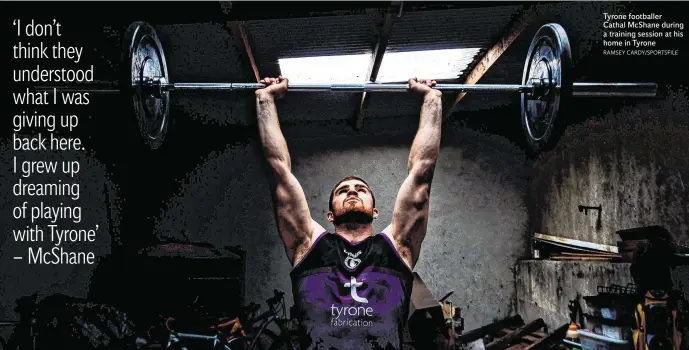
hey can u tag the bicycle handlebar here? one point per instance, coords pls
(276, 298)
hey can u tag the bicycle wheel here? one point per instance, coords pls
(268, 340)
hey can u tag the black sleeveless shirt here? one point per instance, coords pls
(351, 296)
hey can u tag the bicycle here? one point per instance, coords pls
(247, 331)
(277, 314)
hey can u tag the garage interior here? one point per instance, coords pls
(523, 241)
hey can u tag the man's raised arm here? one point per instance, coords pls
(410, 215)
(297, 228)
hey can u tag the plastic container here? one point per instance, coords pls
(618, 329)
(617, 333)
(591, 341)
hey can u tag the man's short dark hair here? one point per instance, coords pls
(350, 177)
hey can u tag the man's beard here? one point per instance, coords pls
(354, 216)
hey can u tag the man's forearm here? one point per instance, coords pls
(273, 142)
(426, 145)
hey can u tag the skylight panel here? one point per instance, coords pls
(430, 64)
(396, 66)
(326, 69)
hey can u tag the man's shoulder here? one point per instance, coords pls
(307, 250)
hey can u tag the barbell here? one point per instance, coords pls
(545, 89)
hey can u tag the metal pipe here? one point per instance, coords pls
(196, 336)
(615, 89)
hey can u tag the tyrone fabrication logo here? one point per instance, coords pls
(352, 260)
(349, 312)
(353, 284)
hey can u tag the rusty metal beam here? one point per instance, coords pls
(376, 59)
(509, 34)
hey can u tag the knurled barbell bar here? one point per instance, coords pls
(545, 89)
(537, 88)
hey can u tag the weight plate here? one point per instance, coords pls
(144, 58)
(549, 57)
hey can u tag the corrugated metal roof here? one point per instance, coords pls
(445, 29)
(435, 30)
(313, 36)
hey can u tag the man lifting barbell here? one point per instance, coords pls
(352, 288)
(545, 89)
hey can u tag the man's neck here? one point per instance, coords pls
(354, 232)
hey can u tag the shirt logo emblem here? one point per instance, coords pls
(352, 261)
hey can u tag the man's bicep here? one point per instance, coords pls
(410, 215)
(293, 216)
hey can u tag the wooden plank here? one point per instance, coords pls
(238, 30)
(576, 244)
(593, 255)
(514, 337)
(580, 258)
(550, 339)
(531, 338)
(509, 34)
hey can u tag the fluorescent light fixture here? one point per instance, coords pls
(327, 69)
(432, 64)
